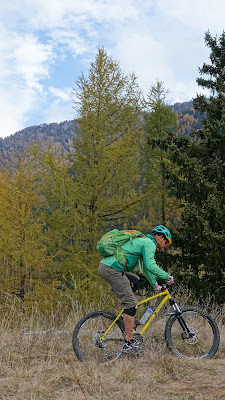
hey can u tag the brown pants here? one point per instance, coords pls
(120, 284)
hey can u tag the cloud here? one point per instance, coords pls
(161, 39)
(30, 60)
(144, 55)
(199, 15)
(42, 14)
(166, 42)
(25, 62)
(59, 94)
(15, 106)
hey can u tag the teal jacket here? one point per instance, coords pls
(140, 251)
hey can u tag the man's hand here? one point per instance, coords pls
(157, 289)
(170, 281)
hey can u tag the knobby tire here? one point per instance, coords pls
(87, 333)
(204, 339)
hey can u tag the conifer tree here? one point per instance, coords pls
(22, 249)
(63, 221)
(201, 182)
(159, 119)
(106, 151)
(95, 188)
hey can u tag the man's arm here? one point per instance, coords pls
(150, 268)
(151, 278)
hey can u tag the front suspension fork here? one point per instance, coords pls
(181, 319)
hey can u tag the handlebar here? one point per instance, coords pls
(165, 286)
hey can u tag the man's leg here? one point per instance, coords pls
(120, 284)
(134, 280)
(129, 326)
(130, 344)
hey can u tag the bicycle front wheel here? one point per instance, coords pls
(194, 334)
(88, 332)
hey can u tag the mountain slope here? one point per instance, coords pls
(61, 135)
(188, 117)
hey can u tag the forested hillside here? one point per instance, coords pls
(60, 135)
(188, 117)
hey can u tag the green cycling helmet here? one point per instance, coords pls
(162, 230)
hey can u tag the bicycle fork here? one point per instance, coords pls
(186, 331)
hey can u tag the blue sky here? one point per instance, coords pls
(46, 44)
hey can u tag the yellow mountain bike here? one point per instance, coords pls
(189, 332)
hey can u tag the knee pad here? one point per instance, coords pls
(130, 311)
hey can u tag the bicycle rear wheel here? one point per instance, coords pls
(87, 333)
(202, 338)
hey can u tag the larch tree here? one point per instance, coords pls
(106, 150)
(160, 207)
(95, 188)
(22, 247)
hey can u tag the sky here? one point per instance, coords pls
(47, 44)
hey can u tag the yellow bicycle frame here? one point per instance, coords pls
(166, 297)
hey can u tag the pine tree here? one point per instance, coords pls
(201, 183)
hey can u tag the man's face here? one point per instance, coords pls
(162, 242)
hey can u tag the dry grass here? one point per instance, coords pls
(37, 366)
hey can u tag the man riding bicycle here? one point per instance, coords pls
(141, 249)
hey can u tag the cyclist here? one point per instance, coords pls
(142, 251)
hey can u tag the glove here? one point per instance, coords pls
(170, 281)
(157, 289)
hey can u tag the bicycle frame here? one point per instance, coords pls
(166, 296)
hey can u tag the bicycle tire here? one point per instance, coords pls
(86, 335)
(205, 340)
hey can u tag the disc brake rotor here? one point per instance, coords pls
(192, 337)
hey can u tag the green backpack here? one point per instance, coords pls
(110, 243)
